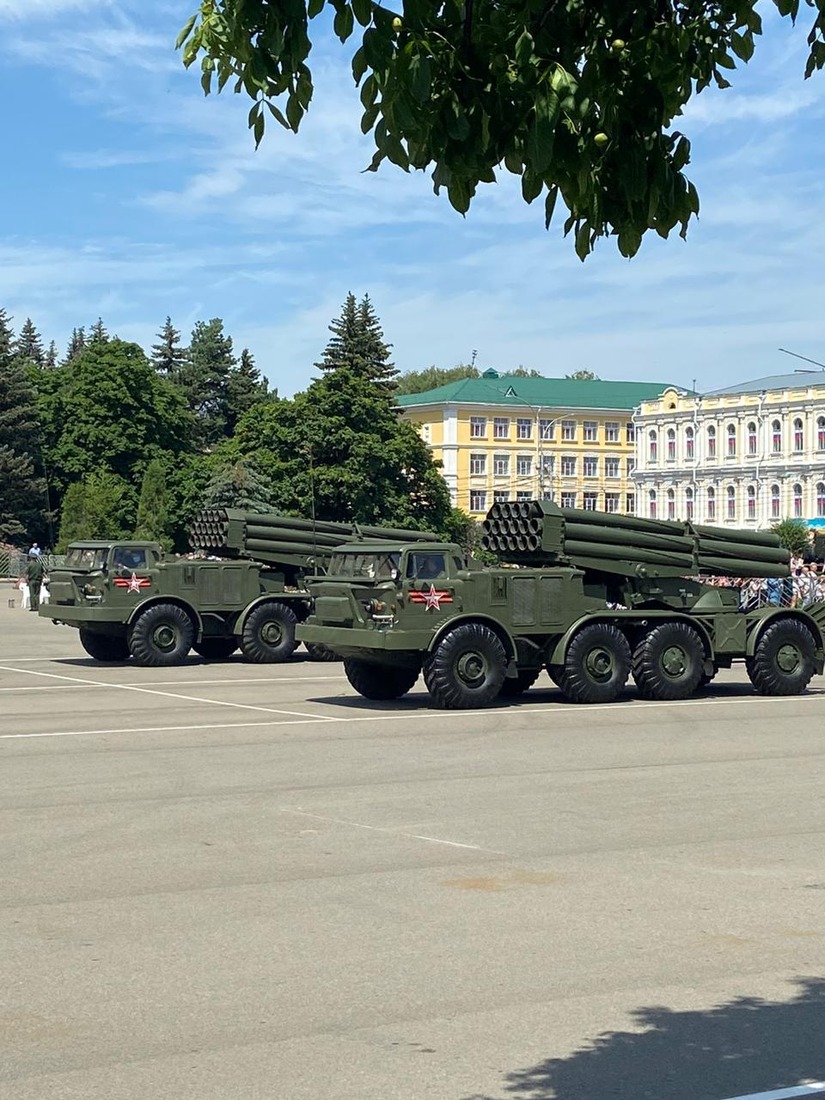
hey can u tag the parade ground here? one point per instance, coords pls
(227, 881)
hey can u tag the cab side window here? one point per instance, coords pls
(425, 566)
(129, 559)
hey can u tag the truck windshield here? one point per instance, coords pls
(80, 557)
(381, 567)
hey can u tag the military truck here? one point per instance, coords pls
(246, 591)
(589, 597)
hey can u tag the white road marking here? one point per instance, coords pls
(179, 683)
(385, 829)
(783, 1094)
(309, 719)
(171, 694)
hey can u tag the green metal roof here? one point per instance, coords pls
(551, 393)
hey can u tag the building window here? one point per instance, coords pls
(568, 430)
(775, 501)
(820, 433)
(798, 436)
(797, 501)
(731, 437)
(631, 466)
(776, 437)
(731, 495)
(671, 504)
(478, 427)
(611, 467)
(651, 503)
(820, 498)
(524, 466)
(711, 504)
(568, 466)
(568, 500)
(630, 433)
(751, 438)
(547, 429)
(611, 432)
(548, 463)
(630, 504)
(591, 431)
(478, 500)
(591, 466)
(653, 446)
(751, 502)
(591, 501)
(478, 464)
(501, 465)
(711, 442)
(671, 445)
(611, 502)
(524, 429)
(689, 498)
(524, 494)
(501, 427)
(500, 495)
(690, 444)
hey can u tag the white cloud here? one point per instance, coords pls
(20, 10)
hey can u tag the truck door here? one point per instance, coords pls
(130, 577)
(429, 593)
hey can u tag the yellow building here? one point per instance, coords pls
(504, 437)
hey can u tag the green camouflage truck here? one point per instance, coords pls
(589, 597)
(129, 599)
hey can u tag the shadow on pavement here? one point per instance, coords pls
(745, 1046)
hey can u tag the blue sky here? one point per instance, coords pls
(128, 194)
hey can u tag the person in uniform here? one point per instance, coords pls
(34, 578)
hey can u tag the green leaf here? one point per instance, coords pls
(550, 205)
(258, 128)
(742, 45)
(315, 7)
(185, 31)
(368, 118)
(583, 241)
(278, 115)
(343, 23)
(419, 78)
(524, 48)
(629, 242)
(459, 195)
(531, 185)
(294, 113)
(359, 64)
(362, 9)
(542, 134)
(369, 92)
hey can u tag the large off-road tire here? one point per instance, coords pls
(215, 649)
(596, 666)
(269, 634)
(668, 662)
(104, 647)
(518, 684)
(162, 635)
(466, 669)
(783, 663)
(317, 651)
(375, 681)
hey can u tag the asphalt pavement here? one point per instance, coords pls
(227, 881)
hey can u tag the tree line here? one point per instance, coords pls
(110, 441)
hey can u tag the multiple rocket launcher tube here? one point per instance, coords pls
(538, 532)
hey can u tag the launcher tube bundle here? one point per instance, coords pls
(539, 532)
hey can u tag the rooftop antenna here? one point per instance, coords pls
(473, 358)
(805, 358)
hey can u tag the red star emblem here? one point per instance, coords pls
(133, 584)
(433, 599)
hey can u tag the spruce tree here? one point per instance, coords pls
(22, 496)
(357, 345)
(238, 484)
(6, 338)
(204, 379)
(77, 343)
(168, 355)
(98, 333)
(50, 358)
(153, 508)
(29, 346)
(245, 388)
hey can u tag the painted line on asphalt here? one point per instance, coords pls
(810, 1089)
(171, 695)
(393, 832)
(178, 683)
(556, 710)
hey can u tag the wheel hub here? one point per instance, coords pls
(788, 658)
(271, 633)
(674, 661)
(472, 669)
(599, 664)
(165, 637)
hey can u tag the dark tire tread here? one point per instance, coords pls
(765, 675)
(215, 649)
(255, 648)
(379, 682)
(106, 648)
(142, 646)
(518, 684)
(577, 683)
(441, 675)
(652, 681)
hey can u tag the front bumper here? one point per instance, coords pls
(352, 638)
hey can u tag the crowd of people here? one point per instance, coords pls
(805, 586)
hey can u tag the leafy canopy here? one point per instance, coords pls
(576, 98)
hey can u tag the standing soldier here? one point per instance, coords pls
(34, 576)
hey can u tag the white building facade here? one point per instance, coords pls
(747, 456)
